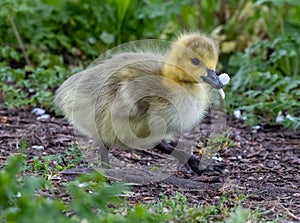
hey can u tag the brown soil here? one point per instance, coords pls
(263, 166)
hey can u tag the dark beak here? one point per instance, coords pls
(213, 79)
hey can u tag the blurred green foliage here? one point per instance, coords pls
(93, 199)
(267, 80)
(258, 45)
(31, 86)
(87, 28)
(22, 199)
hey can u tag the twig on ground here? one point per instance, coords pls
(290, 214)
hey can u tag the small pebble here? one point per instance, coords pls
(38, 147)
(44, 117)
(38, 111)
(296, 194)
(91, 40)
(217, 158)
(256, 127)
(238, 115)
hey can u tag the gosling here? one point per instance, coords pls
(145, 99)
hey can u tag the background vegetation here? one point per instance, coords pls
(43, 42)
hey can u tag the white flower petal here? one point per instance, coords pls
(224, 78)
(222, 93)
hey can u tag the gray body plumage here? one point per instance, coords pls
(126, 100)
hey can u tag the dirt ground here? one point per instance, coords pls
(263, 166)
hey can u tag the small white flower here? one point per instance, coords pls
(222, 93)
(256, 127)
(224, 78)
(291, 118)
(281, 116)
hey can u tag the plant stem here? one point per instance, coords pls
(282, 29)
(20, 42)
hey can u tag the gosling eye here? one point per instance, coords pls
(196, 61)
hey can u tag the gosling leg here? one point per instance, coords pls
(190, 161)
(104, 157)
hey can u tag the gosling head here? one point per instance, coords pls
(193, 59)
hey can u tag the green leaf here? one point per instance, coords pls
(240, 215)
(122, 7)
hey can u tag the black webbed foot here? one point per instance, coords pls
(191, 162)
(194, 164)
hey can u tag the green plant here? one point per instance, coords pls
(240, 214)
(267, 80)
(82, 28)
(93, 199)
(53, 163)
(31, 87)
(70, 158)
(177, 209)
(91, 195)
(171, 208)
(18, 201)
(218, 142)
